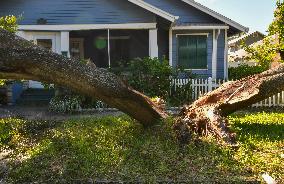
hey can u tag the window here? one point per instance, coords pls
(77, 48)
(119, 50)
(192, 51)
(45, 43)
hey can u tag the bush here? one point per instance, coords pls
(65, 104)
(154, 78)
(245, 70)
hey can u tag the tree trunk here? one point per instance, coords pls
(20, 59)
(207, 114)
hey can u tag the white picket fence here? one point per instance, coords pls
(202, 86)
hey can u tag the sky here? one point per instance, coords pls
(255, 14)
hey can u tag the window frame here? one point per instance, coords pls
(46, 37)
(192, 34)
(81, 46)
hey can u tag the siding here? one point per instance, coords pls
(187, 13)
(220, 55)
(76, 11)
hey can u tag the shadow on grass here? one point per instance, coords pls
(260, 131)
(260, 126)
(119, 149)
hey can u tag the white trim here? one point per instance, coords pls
(214, 55)
(171, 46)
(74, 27)
(65, 43)
(108, 47)
(153, 43)
(154, 10)
(196, 69)
(218, 34)
(46, 37)
(216, 15)
(226, 56)
(193, 34)
(192, 27)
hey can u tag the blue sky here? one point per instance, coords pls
(255, 14)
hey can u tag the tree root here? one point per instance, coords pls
(203, 121)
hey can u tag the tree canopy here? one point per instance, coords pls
(277, 26)
(273, 45)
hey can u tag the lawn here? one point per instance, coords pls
(120, 149)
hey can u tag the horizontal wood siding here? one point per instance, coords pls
(76, 11)
(220, 55)
(201, 73)
(187, 13)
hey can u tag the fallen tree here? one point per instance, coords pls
(208, 114)
(21, 59)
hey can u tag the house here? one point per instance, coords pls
(187, 33)
(237, 55)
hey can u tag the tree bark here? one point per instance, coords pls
(207, 114)
(20, 59)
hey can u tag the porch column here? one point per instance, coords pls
(226, 55)
(153, 43)
(216, 34)
(171, 46)
(65, 43)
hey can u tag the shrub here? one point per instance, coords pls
(244, 71)
(65, 104)
(153, 77)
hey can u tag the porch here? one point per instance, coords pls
(106, 45)
(110, 48)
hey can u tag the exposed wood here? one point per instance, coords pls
(208, 114)
(20, 59)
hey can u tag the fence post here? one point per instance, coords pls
(210, 84)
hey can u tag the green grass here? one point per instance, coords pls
(120, 149)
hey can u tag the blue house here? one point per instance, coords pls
(187, 33)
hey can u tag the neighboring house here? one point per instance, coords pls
(237, 55)
(107, 31)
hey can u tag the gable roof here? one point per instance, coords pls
(154, 10)
(194, 4)
(245, 36)
(216, 15)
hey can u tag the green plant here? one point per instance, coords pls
(150, 76)
(267, 51)
(276, 28)
(244, 71)
(181, 95)
(9, 23)
(65, 104)
(154, 77)
(264, 53)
